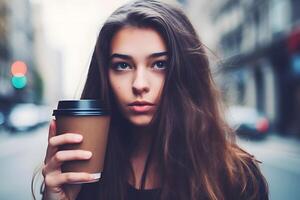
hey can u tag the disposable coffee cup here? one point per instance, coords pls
(91, 119)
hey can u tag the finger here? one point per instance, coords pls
(66, 155)
(52, 132)
(56, 180)
(66, 138)
(52, 129)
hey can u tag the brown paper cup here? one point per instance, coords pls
(94, 129)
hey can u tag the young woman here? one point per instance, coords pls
(168, 139)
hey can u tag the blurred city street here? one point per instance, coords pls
(20, 154)
(253, 48)
(280, 159)
(280, 163)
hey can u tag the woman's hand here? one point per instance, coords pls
(57, 184)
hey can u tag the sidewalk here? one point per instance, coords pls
(276, 151)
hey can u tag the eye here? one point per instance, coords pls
(120, 66)
(160, 65)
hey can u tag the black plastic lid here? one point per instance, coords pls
(83, 107)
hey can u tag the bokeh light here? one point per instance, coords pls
(19, 81)
(19, 68)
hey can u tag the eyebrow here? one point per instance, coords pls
(128, 57)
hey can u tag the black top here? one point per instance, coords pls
(146, 194)
(88, 192)
(154, 194)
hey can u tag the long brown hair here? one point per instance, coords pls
(196, 149)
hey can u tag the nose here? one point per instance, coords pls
(140, 83)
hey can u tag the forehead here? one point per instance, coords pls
(137, 41)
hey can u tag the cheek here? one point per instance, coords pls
(118, 91)
(159, 84)
(119, 87)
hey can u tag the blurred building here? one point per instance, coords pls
(16, 44)
(259, 41)
(47, 57)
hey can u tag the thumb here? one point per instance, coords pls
(52, 132)
(52, 129)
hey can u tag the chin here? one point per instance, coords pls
(140, 120)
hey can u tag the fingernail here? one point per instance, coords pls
(87, 154)
(95, 176)
(78, 137)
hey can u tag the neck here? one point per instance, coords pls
(142, 143)
(143, 137)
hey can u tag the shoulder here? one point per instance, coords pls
(256, 185)
(247, 180)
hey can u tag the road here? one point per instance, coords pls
(280, 164)
(21, 154)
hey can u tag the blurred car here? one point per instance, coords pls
(247, 121)
(2, 119)
(26, 116)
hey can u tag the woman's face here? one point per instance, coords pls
(137, 72)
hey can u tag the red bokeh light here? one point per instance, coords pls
(19, 68)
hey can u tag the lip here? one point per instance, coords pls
(141, 108)
(140, 103)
